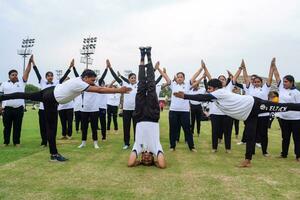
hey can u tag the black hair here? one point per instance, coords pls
(258, 77)
(12, 71)
(131, 74)
(215, 83)
(290, 78)
(222, 76)
(49, 73)
(88, 73)
(181, 74)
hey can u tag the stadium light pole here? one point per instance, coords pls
(26, 49)
(88, 48)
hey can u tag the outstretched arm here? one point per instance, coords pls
(104, 73)
(163, 74)
(106, 90)
(133, 161)
(27, 70)
(123, 78)
(276, 73)
(236, 75)
(196, 97)
(245, 74)
(205, 70)
(75, 72)
(67, 72)
(197, 73)
(36, 70)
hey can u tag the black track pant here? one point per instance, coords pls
(91, 117)
(77, 119)
(196, 115)
(262, 106)
(112, 112)
(12, 118)
(127, 117)
(66, 120)
(50, 106)
(236, 126)
(42, 123)
(102, 117)
(288, 128)
(221, 124)
(262, 131)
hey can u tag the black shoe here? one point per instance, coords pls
(148, 49)
(58, 157)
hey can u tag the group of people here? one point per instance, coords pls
(227, 100)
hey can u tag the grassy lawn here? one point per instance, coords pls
(26, 172)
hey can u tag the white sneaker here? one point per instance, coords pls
(96, 146)
(241, 143)
(125, 147)
(258, 145)
(83, 144)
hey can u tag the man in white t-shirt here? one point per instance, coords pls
(147, 115)
(240, 107)
(61, 94)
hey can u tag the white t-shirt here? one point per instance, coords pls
(147, 138)
(198, 91)
(69, 105)
(69, 89)
(9, 87)
(129, 98)
(43, 85)
(260, 92)
(288, 96)
(234, 105)
(78, 103)
(102, 101)
(113, 99)
(90, 102)
(178, 104)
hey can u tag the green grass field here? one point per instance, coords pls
(26, 173)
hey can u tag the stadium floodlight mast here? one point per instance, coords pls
(88, 48)
(26, 49)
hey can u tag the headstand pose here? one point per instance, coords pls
(147, 115)
(62, 93)
(241, 107)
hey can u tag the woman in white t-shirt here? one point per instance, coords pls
(289, 121)
(261, 91)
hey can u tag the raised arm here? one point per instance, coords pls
(236, 75)
(197, 73)
(271, 71)
(113, 73)
(123, 78)
(275, 71)
(245, 74)
(111, 84)
(36, 70)
(67, 72)
(27, 70)
(205, 70)
(75, 72)
(163, 74)
(104, 73)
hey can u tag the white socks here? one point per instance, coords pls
(83, 144)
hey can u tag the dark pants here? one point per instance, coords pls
(127, 117)
(262, 131)
(112, 112)
(196, 115)
(77, 119)
(12, 117)
(221, 124)
(102, 117)
(288, 128)
(66, 120)
(87, 117)
(42, 123)
(236, 126)
(50, 106)
(178, 119)
(262, 106)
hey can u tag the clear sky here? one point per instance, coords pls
(180, 32)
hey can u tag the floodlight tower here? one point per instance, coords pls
(88, 48)
(26, 49)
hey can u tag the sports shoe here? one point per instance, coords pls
(241, 143)
(172, 149)
(258, 145)
(193, 150)
(58, 157)
(63, 138)
(82, 145)
(266, 155)
(214, 150)
(245, 163)
(227, 151)
(125, 147)
(96, 146)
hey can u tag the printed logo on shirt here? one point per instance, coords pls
(278, 108)
(263, 107)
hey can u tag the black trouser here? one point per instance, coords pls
(146, 101)
(262, 131)
(178, 119)
(196, 115)
(50, 106)
(127, 117)
(221, 124)
(66, 120)
(262, 106)
(42, 123)
(112, 112)
(77, 119)
(288, 128)
(102, 117)
(12, 117)
(87, 117)
(236, 126)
